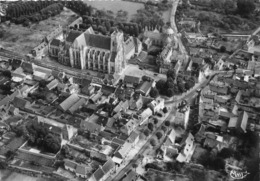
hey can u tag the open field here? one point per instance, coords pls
(23, 39)
(117, 5)
(7, 175)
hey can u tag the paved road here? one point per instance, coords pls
(144, 147)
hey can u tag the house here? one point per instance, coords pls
(156, 105)
(133, 138)
(20, 103)
(88, 90)
(182, 117)
(82, 170)
(102, 173)
(144, 88)
(144, 116)
(188, 147)
(13, 111)
(69, 102)
(53, 84)
(95, 97)
(136, 104)
(68, 132)
(129, 92)
(77, 105)
(121, 106)
(131, 81)
(27, 67)
(107, 90)
(70, 165)
(122, 152)
(18, 75)
(41, 73)
(239, 123)
(94, 123)
(129, 126)
(130, 176)
(169, 145)
(24, 90)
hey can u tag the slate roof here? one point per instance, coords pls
(55, 42)
(72, 36)
(129, 45)
(98, 41)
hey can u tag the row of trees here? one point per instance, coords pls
(51, 10)
(106, 26)
(42, 138)
(21, 8)
(159, 134)
(79, 7)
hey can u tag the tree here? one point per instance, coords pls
(150, 126)
(167, 123)
(164, 129)
(245, 7)
(153, 142)
(160, 84)
(154, 93)
(222, 49)
(170, 92)
(165, 110)
(171, 74)
(159, 135)
(3, 165)
(7, 73)
(52, 143)
(146, 132)
(225, 153)
(155, 121)
(135, 165)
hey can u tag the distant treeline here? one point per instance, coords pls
(32, 11)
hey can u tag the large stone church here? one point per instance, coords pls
(87, 50)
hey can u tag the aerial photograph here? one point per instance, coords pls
(129, 90)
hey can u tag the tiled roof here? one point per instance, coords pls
(81, 169)
(109, 165)
(107, 90)
(70, 101)
(145, 86)
(27, 67)
(132, 79)
(19, 102)
(72, 36)
(70, 164)
(142, 55)
(133, 136)
(131, 176)
(98, 174)
(55, 42)
(98, 41)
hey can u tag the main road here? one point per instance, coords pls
(143, 148)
